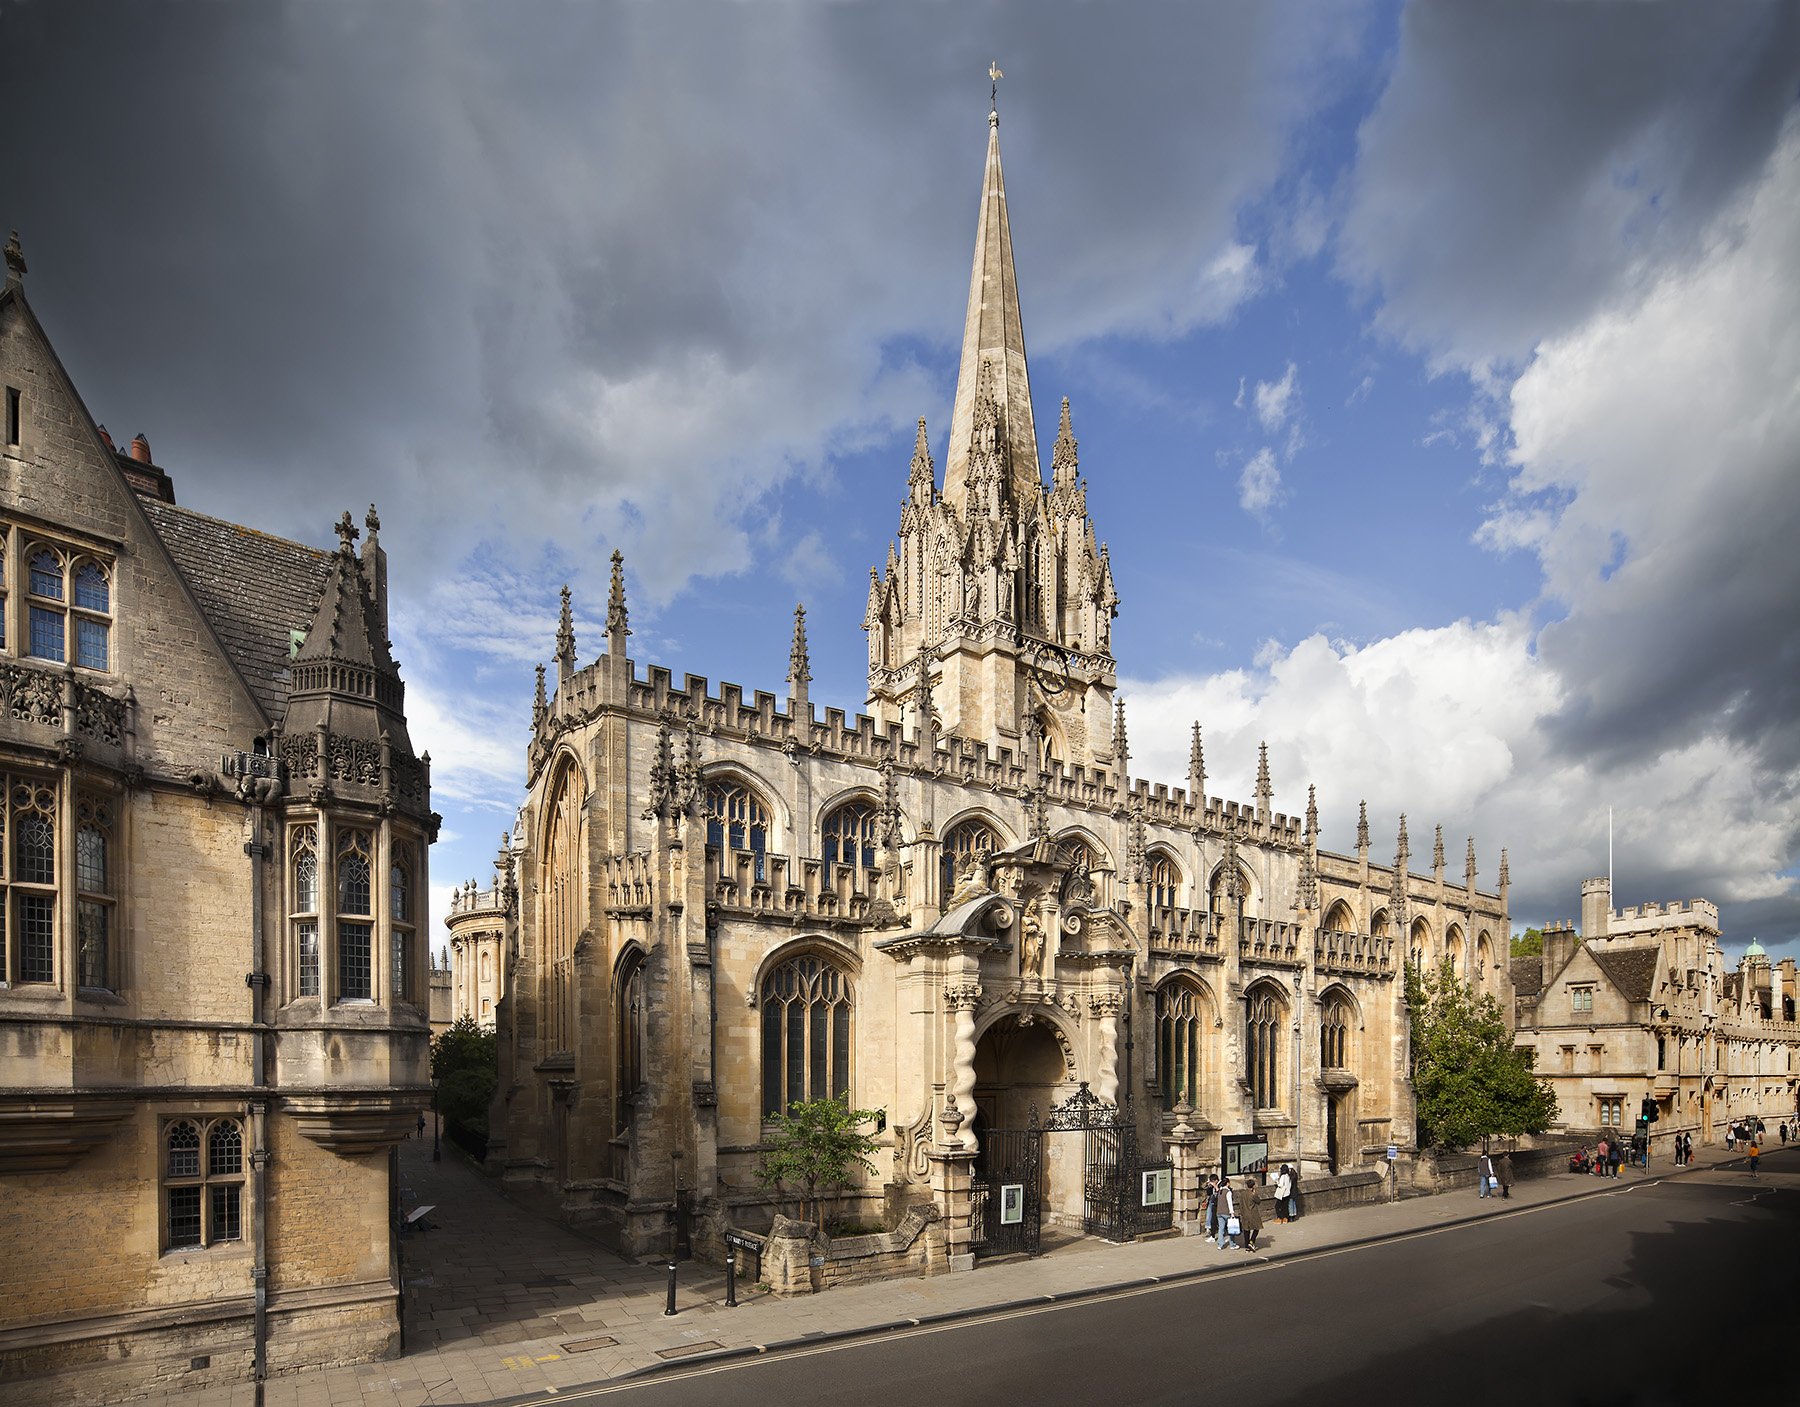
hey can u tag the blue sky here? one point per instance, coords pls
(1434, 366)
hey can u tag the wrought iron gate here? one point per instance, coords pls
(1006, 1201)
(1123, 1197)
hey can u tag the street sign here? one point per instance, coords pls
(1393, 1152)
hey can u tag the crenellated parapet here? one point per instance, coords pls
(1353, 954)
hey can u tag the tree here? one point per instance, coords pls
(1469, 1080)
(465, 1066)
(817, 1144)
(1529, 944)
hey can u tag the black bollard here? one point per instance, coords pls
(731, 1279)
(669, 1308)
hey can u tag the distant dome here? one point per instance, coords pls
(1755, 950)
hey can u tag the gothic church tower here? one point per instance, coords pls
(993, 617)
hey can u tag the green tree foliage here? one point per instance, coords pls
(817, 1145)
(1529, 944)
(1469, 1079)
(465, 1066)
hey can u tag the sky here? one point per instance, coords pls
(1435, 367)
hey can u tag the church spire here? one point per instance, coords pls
(993, 336)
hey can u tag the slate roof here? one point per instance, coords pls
(253, 587)
(1528, 975)
(1632, 970)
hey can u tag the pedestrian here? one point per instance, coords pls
(1617, 1154)
(1229, 1229)
(1506, 1175)
(1687, 1150)
(1485, 1181)
(1284, 1190)
(421, 1123)
(1600, 1158)
(1755, 1153)
(1251, 1216)
(1730, 1137)
(1784, 1133)
(1211, 1193)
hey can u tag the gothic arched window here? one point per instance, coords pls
(847, 835)
(562, 898)
(1339, 919)
(303, 906)
(93, 893)
(400, 914)
(964, 841)
(1165, 880)
(1334, 1034)
(628, 1024)
(806, 1033)
(1419, 944)
(356, 921)
(1178, 1028)
(1264, 1013)
(736, 819)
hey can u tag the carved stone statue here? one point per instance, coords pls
(1031, 941)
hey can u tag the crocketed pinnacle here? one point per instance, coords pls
(1362, 825)
(1403, 851)
(993, 336)
(1312, 812)
(565, 633)
(924, 472)
(1437, 849)
(1121, 747)
(1264, 789)
(798, 671)
(1469, 864)
(1197, 770)
(616, 618)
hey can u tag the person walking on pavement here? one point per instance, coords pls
(1284, 1189)
(1600, 1158)
(1504, 1167)
(1484, 1174)
(1616, 1152)
(1211, 1193)
(1755, 1152)
(1226, 1213)
(1251, 1217)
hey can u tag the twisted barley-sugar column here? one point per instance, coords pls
(962, 1000)
(1107, 1083)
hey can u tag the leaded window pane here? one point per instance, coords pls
(91, 644)
(306, 882)
(92, 592)
(47, 576)
(355, 961)
(184, 1150)
(90, 860)
(400, 892)
(354, 879)
(184, 1217)
(34, 853)
(93, 923)
(227, 1220)
(37, 938)
(773, 1015)
(400, 943)
(307, 934)
(47, 634)
(806, 1033)
(224, 1150)
(848, 835)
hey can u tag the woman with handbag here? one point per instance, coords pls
(1251, 1217)
(1225, 1213)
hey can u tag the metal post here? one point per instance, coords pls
(731, 1279)
(669, 1308)
(437, 1126)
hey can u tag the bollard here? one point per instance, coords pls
(731, 1279)
(669, 1308)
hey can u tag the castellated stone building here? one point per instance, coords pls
(1640, 1004)
(958, 908)
(213, 841)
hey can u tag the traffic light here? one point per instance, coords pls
(1647, 1114)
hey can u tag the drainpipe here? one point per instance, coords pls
(258, 785)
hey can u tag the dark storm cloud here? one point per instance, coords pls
(602, 271)
(1527, 161)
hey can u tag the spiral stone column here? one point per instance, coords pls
(962, 998)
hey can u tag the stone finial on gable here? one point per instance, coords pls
(565, 640)
(1197, 770)
(346, 533)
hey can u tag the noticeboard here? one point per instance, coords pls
(1159, 1187)
(1242, 1153)
(1012, 1203)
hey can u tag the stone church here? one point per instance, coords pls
(959, 908)
(213, 862)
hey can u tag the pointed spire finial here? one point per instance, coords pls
(1402, 849)
(1312, 812)
(1362, 825)
(346, 531)
(1065, 459)
(539, 703)
(1121, 748)
(799, 674)
(616, 628)
(924, 472)
(1505, 873)
(565, 631)
(1437, 850)
(1197, 770)
(15, 262)
(1469, 864)
(1264, 789)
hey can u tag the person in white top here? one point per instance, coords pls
(1284, 1193)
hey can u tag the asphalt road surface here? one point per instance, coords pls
(1682, 1291)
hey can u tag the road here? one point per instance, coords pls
(1646, 1295)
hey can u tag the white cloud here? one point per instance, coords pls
(1276, 400)
(1259, 484)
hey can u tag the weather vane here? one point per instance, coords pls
(994, 77)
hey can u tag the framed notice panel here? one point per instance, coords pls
(1159, 1187)
(1244, 1153)
(1012, 1203)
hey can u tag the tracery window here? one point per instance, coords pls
(806, 1004)
(1262, 1046)
(68, 607)
(203, 1183)
(28, 830)
(94, 924)
(963, 842)
(848, 835)
(1334, 1035)
(563, 906)
(1165, 880)
(736, 819)
(355, 917)
(400, 920)
(303, 906)
(628, 1020)
(1178, 1043)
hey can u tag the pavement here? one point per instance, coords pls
(503, 1304)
